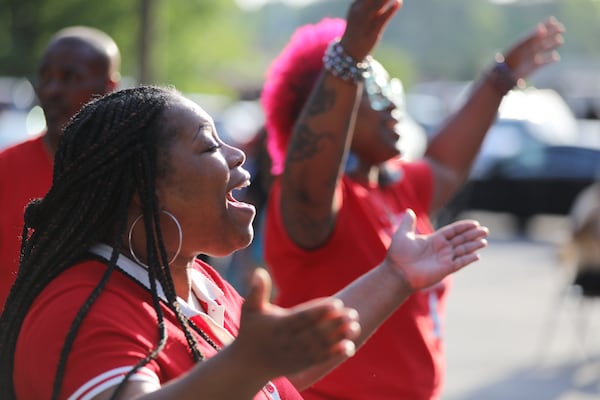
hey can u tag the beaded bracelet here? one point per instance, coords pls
(501, 76)
(341, 64)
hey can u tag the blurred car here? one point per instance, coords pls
(539, 180)
(532, 160)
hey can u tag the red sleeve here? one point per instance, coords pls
(117, 332)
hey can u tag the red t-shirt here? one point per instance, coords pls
(404, 358)
(25, 174)
(119, 330)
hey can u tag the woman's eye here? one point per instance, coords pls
(214, 147)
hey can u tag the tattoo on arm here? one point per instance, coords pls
(305, 142)
(321, 101)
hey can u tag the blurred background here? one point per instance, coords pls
(517, 327)
(221, 49)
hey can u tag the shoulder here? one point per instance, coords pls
(29, 154)
(75, 284)
(63, 297)
(116, 330)
(29, 145)
(120, 305)
(411, 169)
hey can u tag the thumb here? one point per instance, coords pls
(408, 222)
(260, 290)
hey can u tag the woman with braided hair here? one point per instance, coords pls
(112, 302)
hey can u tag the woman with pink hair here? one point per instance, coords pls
(341, 186)
(112, 302)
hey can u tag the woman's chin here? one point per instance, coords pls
(244, 240)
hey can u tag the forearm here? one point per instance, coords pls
(321, 137)
(457, 143)
(221, 377)
(315, 160)
(454, 148)
(375, 296)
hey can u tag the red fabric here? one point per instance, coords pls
(118, 331)
(404, 359)
(25, 174)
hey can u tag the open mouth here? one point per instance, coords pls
(231, 198)
(230, 195)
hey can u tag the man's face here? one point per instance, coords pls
(70, 74)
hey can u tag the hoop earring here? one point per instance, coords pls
(179, 230)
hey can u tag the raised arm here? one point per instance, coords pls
(322, 135)
(455, 146)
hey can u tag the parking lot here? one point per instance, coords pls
(512, 333)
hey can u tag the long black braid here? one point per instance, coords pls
(114, 147)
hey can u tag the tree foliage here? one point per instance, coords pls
(212, 46)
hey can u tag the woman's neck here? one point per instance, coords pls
(182, 279)
(368, 174)
(372, 175)
(181, 272)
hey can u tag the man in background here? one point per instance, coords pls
(78, 64)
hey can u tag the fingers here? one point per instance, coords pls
(466, 238)
(469, 235)
(345, 349)
(260, 290)
(537, 48)
(467, 246)
(336, 335)
(388, 11)
(553, 26)
(366, 20)
(286, 341)
(379, 8)
(463, 261)
(548, 35)
(469, 227)
(326, 313)
(326, 330)
(549, 38)
(408, 222)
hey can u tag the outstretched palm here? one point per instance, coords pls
(424, 260)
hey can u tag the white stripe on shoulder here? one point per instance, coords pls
(112, 378)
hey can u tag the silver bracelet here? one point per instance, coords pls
(341, 64)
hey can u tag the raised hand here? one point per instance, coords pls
(424, 260)
(365, 22)
(280, 341)
(536, 49)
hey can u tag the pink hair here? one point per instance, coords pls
(289, 81)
